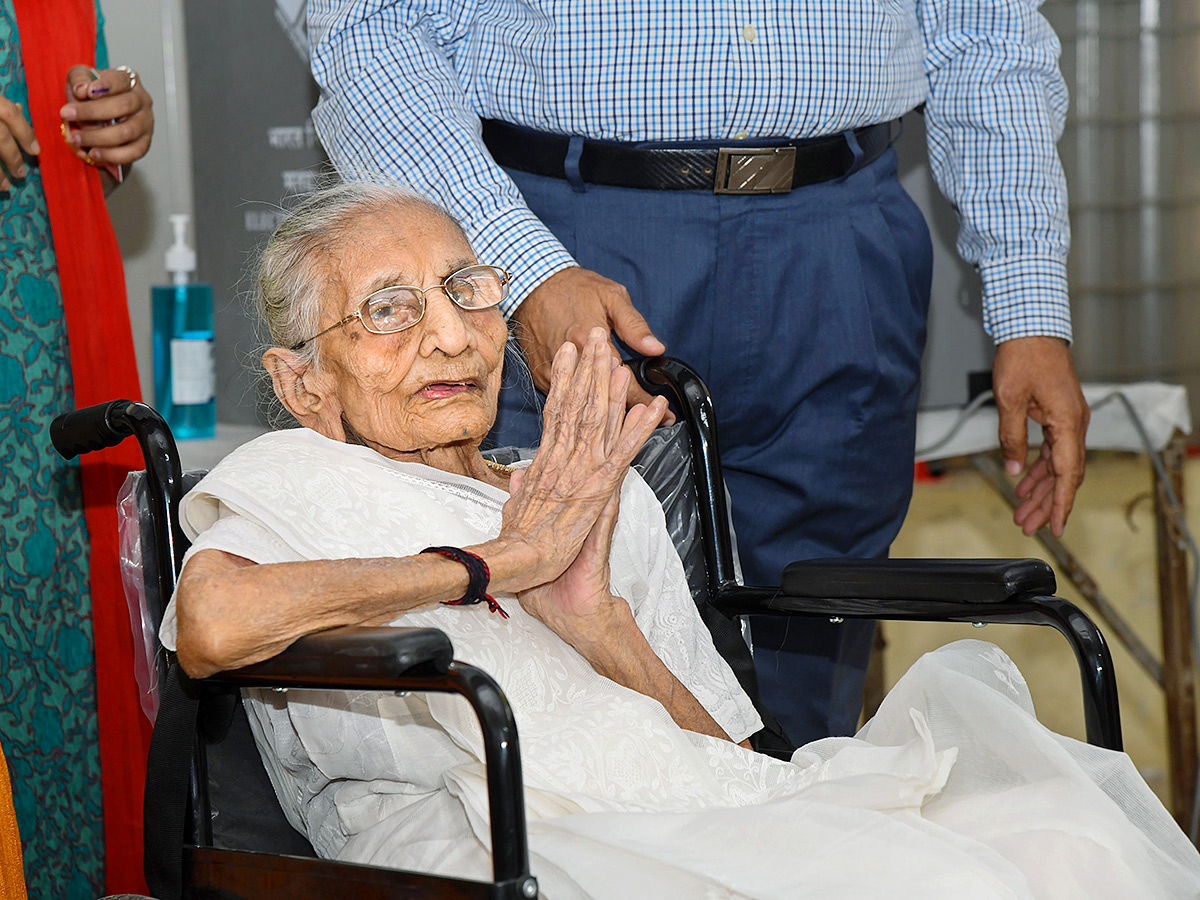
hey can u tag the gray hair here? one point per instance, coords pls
(297, 265)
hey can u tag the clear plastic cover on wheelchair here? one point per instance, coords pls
(143, 623)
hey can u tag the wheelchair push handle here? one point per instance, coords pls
(91, 428)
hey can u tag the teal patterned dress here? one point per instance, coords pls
(47, 676)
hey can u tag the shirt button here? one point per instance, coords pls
(741, 136)
(749, 33)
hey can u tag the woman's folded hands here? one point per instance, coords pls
(564, 507)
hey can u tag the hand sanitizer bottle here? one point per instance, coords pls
(184, 375)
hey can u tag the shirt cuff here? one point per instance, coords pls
(518, 241)
(1026, 298)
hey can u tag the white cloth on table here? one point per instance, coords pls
(1162, 409)
(953, 790)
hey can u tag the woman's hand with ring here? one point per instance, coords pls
(109, 117)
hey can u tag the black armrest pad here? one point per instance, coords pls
(970, 580)
(349, 656)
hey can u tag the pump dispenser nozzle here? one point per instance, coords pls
(180, 258)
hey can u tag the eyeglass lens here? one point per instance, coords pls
(397, 308)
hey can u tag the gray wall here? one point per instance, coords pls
(243, 145)
(251, 129)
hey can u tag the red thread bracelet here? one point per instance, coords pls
(478, 575)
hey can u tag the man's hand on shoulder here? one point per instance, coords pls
(1034, 377)
(566, 307)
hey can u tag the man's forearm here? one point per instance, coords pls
(392, 104)
(996, 106)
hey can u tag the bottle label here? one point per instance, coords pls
(193, 374)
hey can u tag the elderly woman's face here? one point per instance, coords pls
(432, 385)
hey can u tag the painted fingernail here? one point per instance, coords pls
(21, 172)
(94, 154)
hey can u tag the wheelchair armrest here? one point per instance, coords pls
(350, 656)
(955, 580)
(382, 659)
(419, 659)
(1014, 591)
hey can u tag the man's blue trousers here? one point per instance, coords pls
(805, 314)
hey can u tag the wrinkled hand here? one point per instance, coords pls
(16, 141)
(1034, 377)
(588, 441)
(566, 307)
(579, 599)
(578, 605)
(112, 122)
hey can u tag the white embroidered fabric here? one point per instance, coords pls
(953, 790)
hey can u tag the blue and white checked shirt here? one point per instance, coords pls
(404, 85)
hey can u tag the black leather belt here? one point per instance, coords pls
(773, 168)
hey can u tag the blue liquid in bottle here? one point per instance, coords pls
(184, 374)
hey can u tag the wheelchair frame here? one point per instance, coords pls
(406, 659)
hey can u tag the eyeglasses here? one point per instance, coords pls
(400, 306)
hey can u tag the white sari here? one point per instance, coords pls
(953, 790)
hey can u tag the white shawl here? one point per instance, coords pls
(621, 801)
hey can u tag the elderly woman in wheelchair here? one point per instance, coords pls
(560, 580)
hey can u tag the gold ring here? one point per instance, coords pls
(133, 76)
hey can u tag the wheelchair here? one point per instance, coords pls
(213, 828)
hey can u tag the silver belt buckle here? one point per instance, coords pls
(755, 170)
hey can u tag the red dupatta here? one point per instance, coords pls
(55, 35)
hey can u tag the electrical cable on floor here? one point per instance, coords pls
(967, 411)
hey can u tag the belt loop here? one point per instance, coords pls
(856, 149)
(571, 164)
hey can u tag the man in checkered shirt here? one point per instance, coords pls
(719, 176)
